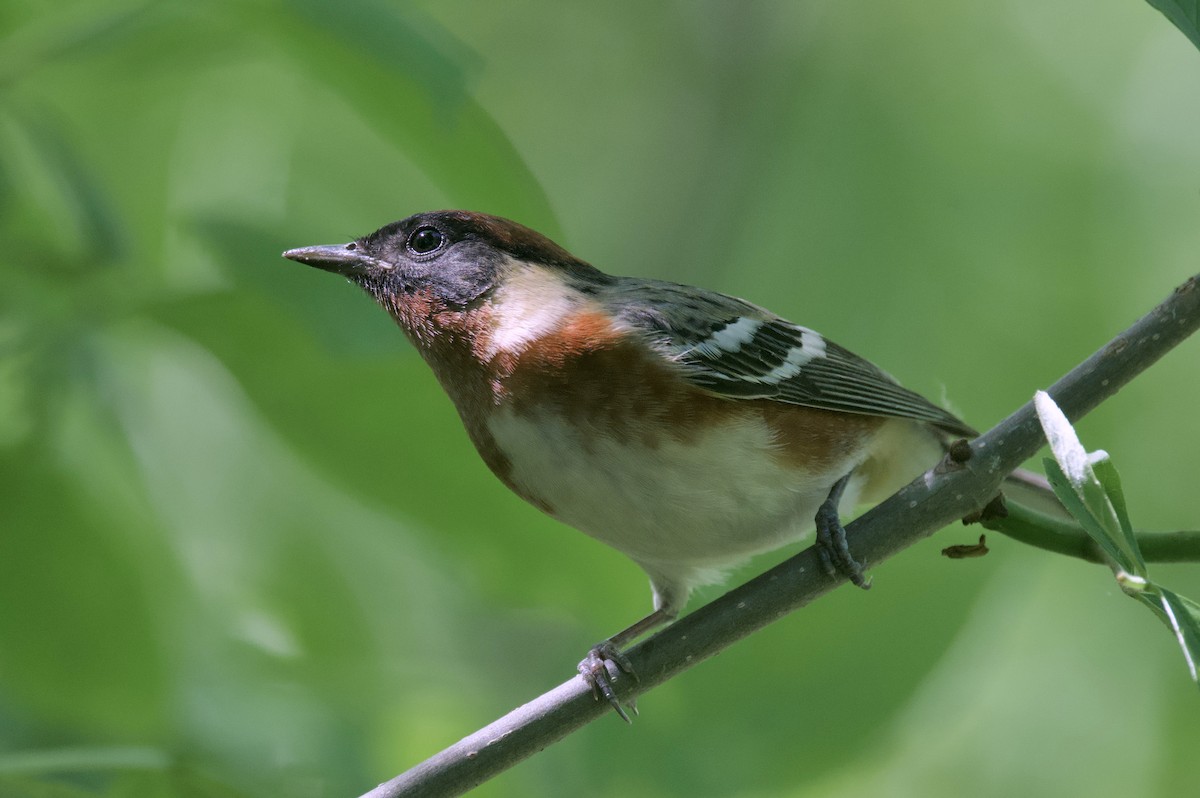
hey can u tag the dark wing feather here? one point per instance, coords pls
(742, 351)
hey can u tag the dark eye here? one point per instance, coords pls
(426, 240)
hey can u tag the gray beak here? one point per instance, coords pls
(344, 259)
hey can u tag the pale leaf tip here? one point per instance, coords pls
(1064, 443)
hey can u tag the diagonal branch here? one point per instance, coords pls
(939, 497)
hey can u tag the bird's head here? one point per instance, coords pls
(443, 259)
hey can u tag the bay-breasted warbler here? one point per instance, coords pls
(686, 428)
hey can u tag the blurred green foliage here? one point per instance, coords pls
(245, 547)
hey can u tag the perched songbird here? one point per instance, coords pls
(686, 428)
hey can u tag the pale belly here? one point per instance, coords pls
(682, 510)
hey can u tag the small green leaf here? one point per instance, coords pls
(1073, 477)
(1183, 616)
(1078, 509)
(1185, 14)
(1109, 478)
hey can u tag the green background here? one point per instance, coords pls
(245, 546)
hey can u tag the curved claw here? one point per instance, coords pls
(594, 670)
(831, 540)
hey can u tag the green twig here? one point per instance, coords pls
(1066, 537)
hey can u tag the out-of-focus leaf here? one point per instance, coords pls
(68, 30)
(83, 224)
(424, 111)
(401, 37)
(107, 771)
(1184, 14)
(77, 759)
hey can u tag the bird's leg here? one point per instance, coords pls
(594, 667)
(831, 539)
